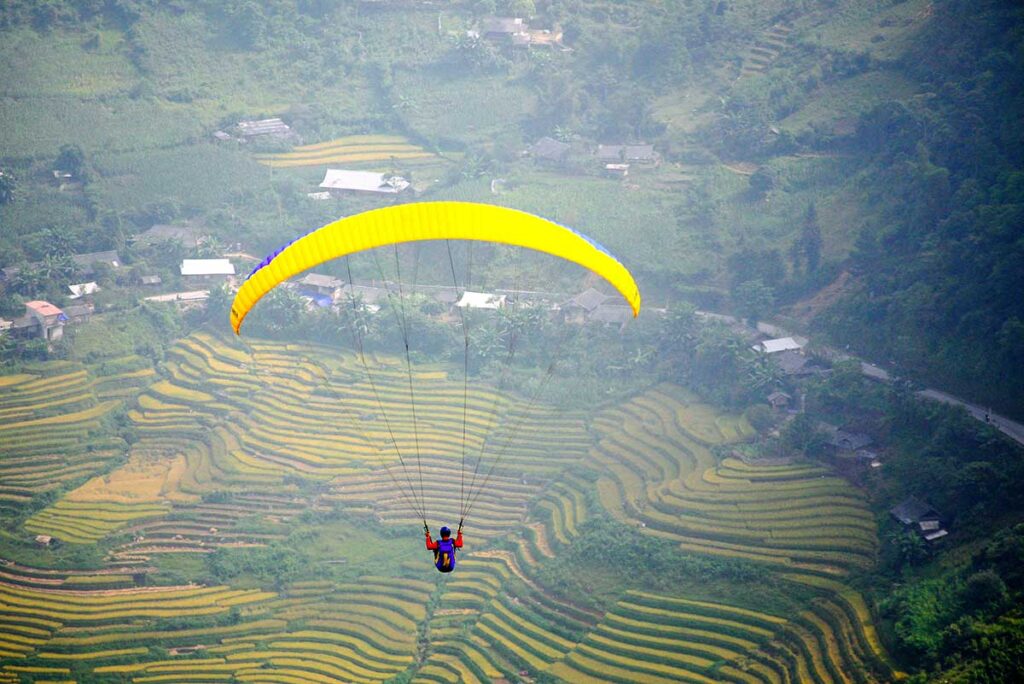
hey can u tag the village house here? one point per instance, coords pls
(86, 263)
(619, 171)
(44, 540)
(869, 458)
(549, 150)
(481, 300)
(273, 127)
(79, 313)
(921, 517)
(41, 319)
(207, 268)
(611, 315)
(781, 344)
(779, 400)
(185, 235)
(183, 299)
(340, 181)
(319, 284)
(82, 289)
(794, 363)
(509, 29)
(577, 309)
(630, 154)
(151, 280)
(850, 442)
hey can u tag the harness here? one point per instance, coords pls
(444, 555)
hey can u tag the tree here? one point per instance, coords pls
(519, 8)
(984, 591)
(57, 242)
(753, 299)
(218, 304)
(810, 242)
(71, 160)
(909, 546)
(8, 184)
(802, 435)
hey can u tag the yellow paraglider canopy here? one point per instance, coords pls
(430, 221)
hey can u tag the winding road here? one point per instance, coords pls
(1008, 427)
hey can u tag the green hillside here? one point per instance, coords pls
(178, 505)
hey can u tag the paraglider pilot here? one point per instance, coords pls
(444, 548)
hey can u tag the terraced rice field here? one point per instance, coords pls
(351, 150)
(236, 421)
(659, 472)
(281, 409)
(314, 631)
(766, 50)
(51, 427)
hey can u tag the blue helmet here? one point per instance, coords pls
(445, 532)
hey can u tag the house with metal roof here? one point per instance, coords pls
(777, 345)
(186, 235)
(86, 262)
(319, 284)
(346, 180)
(921, 517)
(503, 28)
(82, 289)
(636, 154)
(273, 126)
(207, 267)
(481, 300)
(549, 150)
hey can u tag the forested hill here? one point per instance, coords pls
(872, 145)
(940, 277)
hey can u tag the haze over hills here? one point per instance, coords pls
(665, 499)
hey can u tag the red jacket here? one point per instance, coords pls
(432, 545)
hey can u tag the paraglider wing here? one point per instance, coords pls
(430, 221)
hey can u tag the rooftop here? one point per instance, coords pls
(629, 153)
(589, 299)
(205, 267)
(363, 181)
(320, 280)
(850, 440)
(86, 261)
(272, 126)
(913, 510)
(777, 345)
(43, 308)
(162, 232)
(550, 149)
(481, 300)
(82, 289)
(506, 25)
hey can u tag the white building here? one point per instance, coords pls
(780, 344)
(343, 180)
(82, 289)
(481, 300)
(207, 267)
